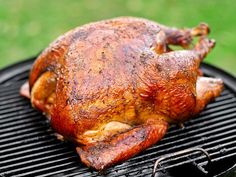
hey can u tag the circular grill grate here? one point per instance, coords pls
(28, 145)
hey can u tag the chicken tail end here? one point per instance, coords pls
(24, 90)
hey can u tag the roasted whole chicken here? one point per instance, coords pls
(114, 86)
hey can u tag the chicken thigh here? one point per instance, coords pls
(114, 86)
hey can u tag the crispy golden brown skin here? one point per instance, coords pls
(113, 86)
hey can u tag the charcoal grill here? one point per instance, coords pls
(28, 146)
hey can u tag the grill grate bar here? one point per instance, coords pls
(29, 132)
(213, 115)
(204, 130)
(51, 146)
(218, 150)
(18, 83)
(13, 101)
(220, 103)
(15, 104)
(218, 142)
(4, 94)
(223, 157)
(20, 129)
(12, 158)
(32, 115)
(147, 170)
(7, 91)
(68, 160)
(27, 163)
(149, 163)
(19, 122)
(9, 97)
(16, 109)
(224, 96)
(10, 87)
(158, 152)
(224, 135)
(14, 138)
(222, 115)
(163, 147)
(232, 149)
(58, 169)
(197, 142)
(225, 91)
(16, 114)
(212, 119)
(83, 173)
(32, 143)
(23, 76)
(217, 109)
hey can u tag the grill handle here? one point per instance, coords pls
(190, 150)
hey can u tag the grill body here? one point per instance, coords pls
(28, 146)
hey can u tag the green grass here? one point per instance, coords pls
(28, 26)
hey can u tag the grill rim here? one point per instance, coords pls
(24, 66)
(14, 69)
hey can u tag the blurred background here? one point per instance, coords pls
(28, 26)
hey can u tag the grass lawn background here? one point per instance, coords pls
(28, 26)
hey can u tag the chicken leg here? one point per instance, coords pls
(207, 90)
(184, 37)
(123, 146)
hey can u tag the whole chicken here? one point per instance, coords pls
(114, 86)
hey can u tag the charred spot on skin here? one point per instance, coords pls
(51, 67)
(80, 35)
(79, 97)
(103, 55)
(84, 113)
(107, 45)
(100, 71)
(142, 134)
(143, 58)
(74, 99)
(135, 27)
(68, 101)
(158, 67)
(66, 82)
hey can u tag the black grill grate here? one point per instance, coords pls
(28, 146)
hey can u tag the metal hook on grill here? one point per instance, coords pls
(157, 163)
